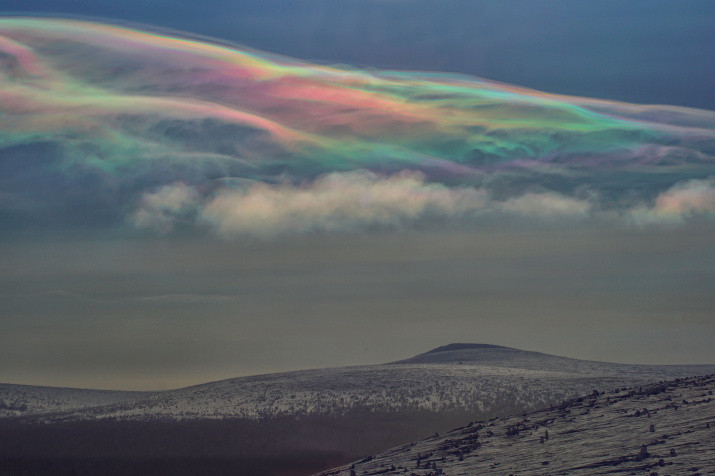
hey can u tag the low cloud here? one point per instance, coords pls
(688, 198)
(338, 202)
(546, 206)
(161, 210)
(684, 200)
(362, 200)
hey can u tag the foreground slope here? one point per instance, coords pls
(666, 427)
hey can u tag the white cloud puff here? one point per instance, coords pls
(548, 205)
(692, 198)
(161, 210)
(338, 202)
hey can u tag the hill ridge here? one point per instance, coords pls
(467, 346)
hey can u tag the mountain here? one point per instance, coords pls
(480, 379)
(662, 427)
(500, 356)
(315, 419)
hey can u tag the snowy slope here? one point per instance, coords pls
(662, 428)
(16, 400)
(479, 380)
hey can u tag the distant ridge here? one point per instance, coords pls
(488, 354)
(465, 346)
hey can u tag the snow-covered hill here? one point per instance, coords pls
(507, 357)
(17, 400)
(662, 428)
(475, 379)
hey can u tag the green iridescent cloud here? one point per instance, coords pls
(95, 116)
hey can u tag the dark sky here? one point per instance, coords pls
(642, 51)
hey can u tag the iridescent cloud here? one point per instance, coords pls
(97, 120)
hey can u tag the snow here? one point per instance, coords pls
(484, 381)
(662, 427)
(18, 400)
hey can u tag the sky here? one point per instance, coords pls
(175, 210)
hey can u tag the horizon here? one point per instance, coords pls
(441, 348)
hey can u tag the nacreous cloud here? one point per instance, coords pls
(103, 125)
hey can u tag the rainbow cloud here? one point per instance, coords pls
(106, 124)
